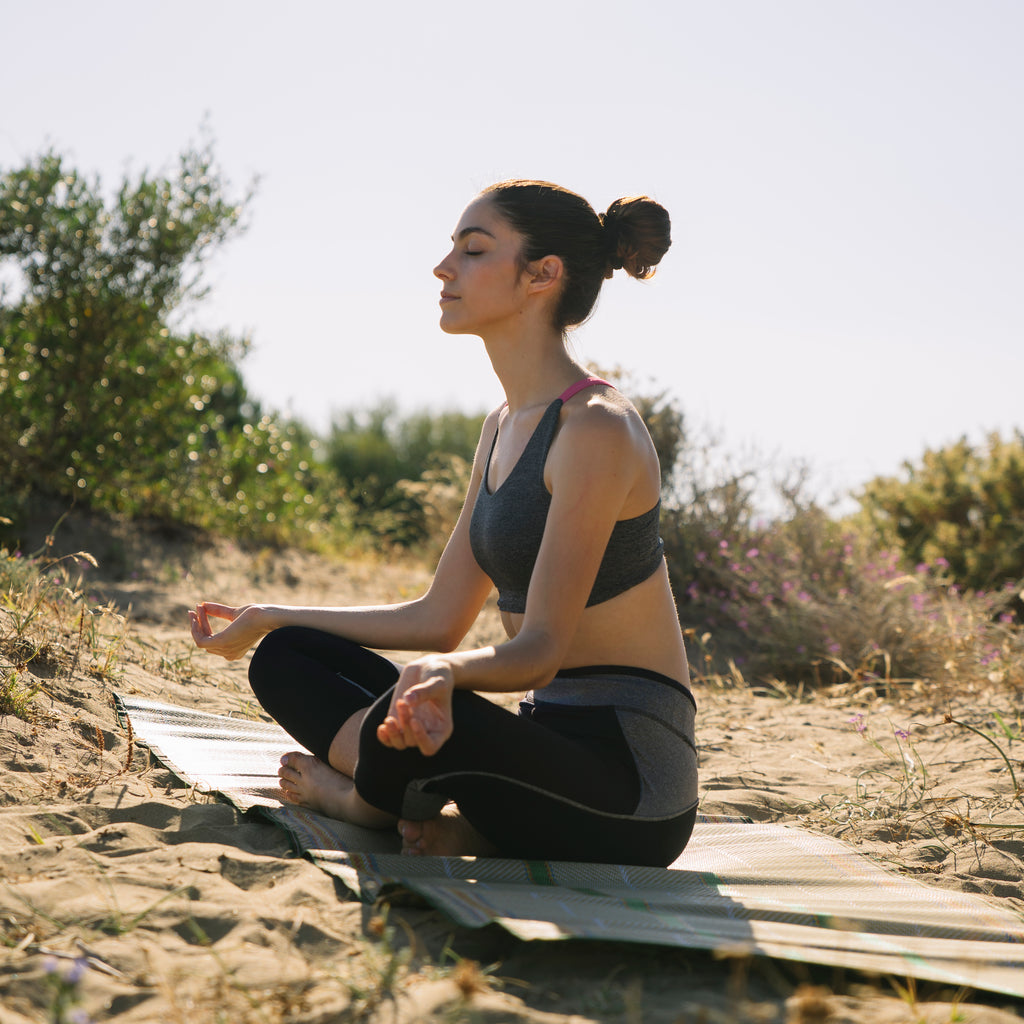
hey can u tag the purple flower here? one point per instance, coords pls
(834, 648)
(901, 734)
(753, 553)
(857, 721)
(74, 974)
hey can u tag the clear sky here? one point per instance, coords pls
(846, 284)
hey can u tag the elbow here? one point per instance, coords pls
(445, 637)
(446, 643)
(434, 629)
(544, 659)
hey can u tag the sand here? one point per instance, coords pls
(178, 909)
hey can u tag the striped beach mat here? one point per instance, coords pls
(738, 888)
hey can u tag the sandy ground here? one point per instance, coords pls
(192, 913)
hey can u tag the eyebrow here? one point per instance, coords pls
(473, 231)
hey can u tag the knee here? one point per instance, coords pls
(375, 714)
(268, 668)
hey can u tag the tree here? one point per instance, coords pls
(100, 397)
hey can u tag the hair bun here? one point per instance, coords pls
(637, 233)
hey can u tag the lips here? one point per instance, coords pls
(447, 297)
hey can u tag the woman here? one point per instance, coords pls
(562, 516)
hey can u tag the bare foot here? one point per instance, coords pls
(309, 782)
(447, 835)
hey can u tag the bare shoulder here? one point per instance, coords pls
(603, 442)
(607, 418)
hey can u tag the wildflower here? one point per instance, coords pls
(901, 734)
(834, 648)
(753, 553)
(1006, 618)
(723, 545)
(921, 568)
(941, 562)
(74, 974)
(803, 596)
(857, 721)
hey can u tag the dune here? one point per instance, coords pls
(134, 898)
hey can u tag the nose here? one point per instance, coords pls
(443, 270)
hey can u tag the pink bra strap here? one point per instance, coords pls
(587, 382)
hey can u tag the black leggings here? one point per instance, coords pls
(558, 784)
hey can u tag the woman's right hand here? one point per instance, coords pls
(244, 628)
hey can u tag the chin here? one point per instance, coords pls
(450, 328)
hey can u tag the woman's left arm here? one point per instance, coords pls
(593, 469)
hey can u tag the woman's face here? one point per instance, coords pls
(483, 285)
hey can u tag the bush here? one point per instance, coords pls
(399, 473)
(963, 504)
(804, 597)
(103, 401)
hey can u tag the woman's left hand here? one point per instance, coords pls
(420, 715)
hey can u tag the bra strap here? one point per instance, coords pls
(587, 382)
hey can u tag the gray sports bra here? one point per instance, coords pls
(507, 525)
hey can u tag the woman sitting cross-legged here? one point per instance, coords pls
(561, 515)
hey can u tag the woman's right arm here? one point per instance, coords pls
(437, 621)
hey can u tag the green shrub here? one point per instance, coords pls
(963, 504)
(397, 472)
(103, 401)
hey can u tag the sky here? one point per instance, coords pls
(845, 287)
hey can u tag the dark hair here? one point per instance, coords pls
(633, 236)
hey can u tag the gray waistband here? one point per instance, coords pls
(623, 688)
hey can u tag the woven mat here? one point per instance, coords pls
(739, 887)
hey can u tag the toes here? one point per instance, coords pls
(412, 837)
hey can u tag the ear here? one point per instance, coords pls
(544, 274)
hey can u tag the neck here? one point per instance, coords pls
(533, 367)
